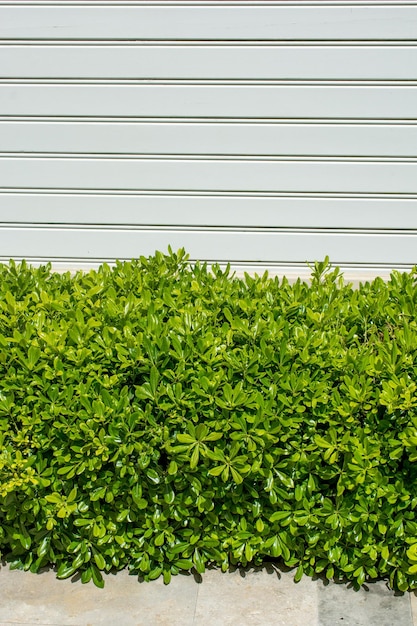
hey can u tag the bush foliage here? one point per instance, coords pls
(163, 417)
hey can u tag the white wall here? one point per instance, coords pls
(267, 134)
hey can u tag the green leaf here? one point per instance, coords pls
(198, 561)
(216, 471)
(25, 540)
(159, 539)
(55, 498)
(238, 478)
(185, 564)
(299, 573)
(86, 575)
(99, 560)
(172, 468)
(154, 379)
(185, 438)
(43, 548)
(155, 573)
(285, 480)
(65, 571)
(194, 458)
(412, 552)
(34, 354)
(72, 495)
(279, 516)
(97, 577)
(213, 436)
(153, 476)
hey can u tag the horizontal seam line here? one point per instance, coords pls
(197, 157)
(206, 193)
(205, 120)
(206, 228)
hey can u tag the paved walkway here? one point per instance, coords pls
(266, 597)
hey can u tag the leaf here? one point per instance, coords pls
(154, 379)
(279, 516)
(25, 540)
(97, 577)
(194, 457)
(99, 560)
(43, 548)
(153, 476)
(238, 478)
(299, 573)
(213, 436)
(185, 564)
(72, 494)
(216, 471)
(285, 480)
(65, 571)
(198, 561)
(167, 576)
(155, 573)
(159, 539)
(86, 575)
(385, 553)
(412, 552)
(34, 354)
(55, 498)
(185, 438)
(259, 525)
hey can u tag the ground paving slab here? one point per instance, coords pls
(265, 596)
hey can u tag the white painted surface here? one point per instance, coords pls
(224, 20)
(307, 101)
(213, 62)
(245, 174)
(263, 133)
(268, 245)
(209, 209)
(199, 137)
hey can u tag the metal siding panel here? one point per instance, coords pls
(210, 210)
(256, 101)
(216, 174)
(205, 244)
(209, 62)
(199, 137)
(247, 21)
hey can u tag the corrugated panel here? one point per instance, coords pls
(209, 20)
(268, 133)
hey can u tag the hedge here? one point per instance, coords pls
(163, 416)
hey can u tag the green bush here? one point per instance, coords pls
(163, 417)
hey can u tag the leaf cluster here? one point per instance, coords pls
(162, 417)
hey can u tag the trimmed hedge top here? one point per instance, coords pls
(164, 417)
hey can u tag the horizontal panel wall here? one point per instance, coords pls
(210, 62)
(212, 175)
(221, 137)
(238, 245)
(210, 20)
(210, 209)
(264, 133)
(346, 101)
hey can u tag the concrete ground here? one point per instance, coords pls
(264, 597)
